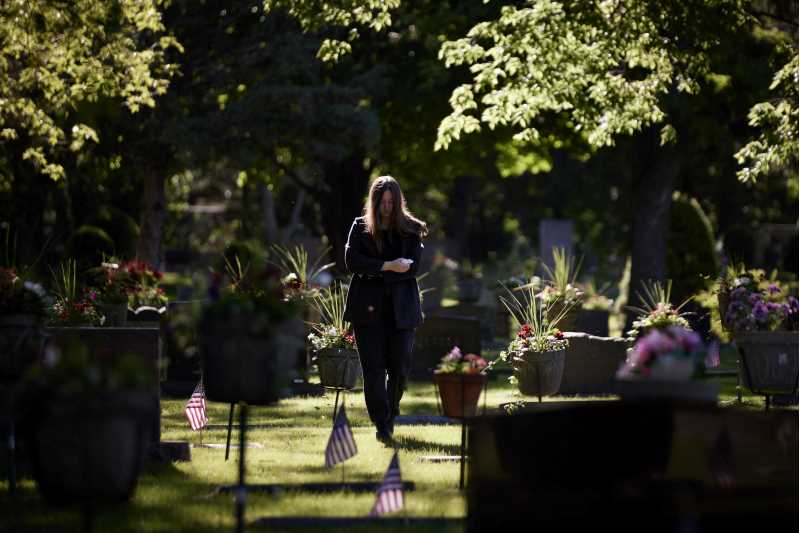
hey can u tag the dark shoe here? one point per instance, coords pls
(384, 437)
(383, 434)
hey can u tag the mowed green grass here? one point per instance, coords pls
(183, 496)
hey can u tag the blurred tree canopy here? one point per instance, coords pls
(275, 115)
(608, 68)
(56, 55)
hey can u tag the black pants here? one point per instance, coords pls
(385, 354)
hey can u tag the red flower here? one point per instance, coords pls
(558, 335)
(350, 338)
(524, 332)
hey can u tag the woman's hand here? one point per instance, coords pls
(399, 265)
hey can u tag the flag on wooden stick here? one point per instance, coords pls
(341, 445)
(196, 408)
(390, 493)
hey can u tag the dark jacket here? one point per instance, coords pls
(366, 295)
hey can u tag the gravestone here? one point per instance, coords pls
(591, 363)
(438, 335)
(619, 465)
(109, 343)
(593, 322)
(554, 233)
(182, 368)
(483, 313)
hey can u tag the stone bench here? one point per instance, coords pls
(591, 363)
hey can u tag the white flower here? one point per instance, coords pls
(35, 288)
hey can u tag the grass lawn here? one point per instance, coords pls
(182, 497)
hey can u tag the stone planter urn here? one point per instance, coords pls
(539, 373)
(769, 361)
(239, 366)
(339, 368)
(89, 448)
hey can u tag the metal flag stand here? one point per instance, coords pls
(336, 412)
(230, 426)
(463, 418)
(241, 490)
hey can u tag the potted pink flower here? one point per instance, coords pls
(664, 363)
(460, 378)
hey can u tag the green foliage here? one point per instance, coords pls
(75, 370)
(527, 308)
(656, 295)
(564, 272)
(602, 67)
(65, 280)
(595, 299)
(690, 252)
(237, 273)
(295, 261)
(120, 227)
(349, 14)
(55, 56)
(90, 245)
(244, 253)
(605, 68)
(329, 304)
(255, 302)
(776, 146)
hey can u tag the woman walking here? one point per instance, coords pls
(383, 252)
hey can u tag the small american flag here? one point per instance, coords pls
(390, 493)
(196, 408)
(712, 358)
(341, 445)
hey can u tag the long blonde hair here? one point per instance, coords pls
(402, 222)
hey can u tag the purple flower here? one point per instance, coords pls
(755, 298)
(689, 341)
(760, 311)
(738, 292)
(773, 288)
(454, 355)
(791, 305)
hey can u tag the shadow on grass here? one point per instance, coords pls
(413, 444)
(162, 501)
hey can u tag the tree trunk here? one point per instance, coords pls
(149, 248)
(25, 214)
(348, 181)
(269, 216)
(652, 197)
(294, 218)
